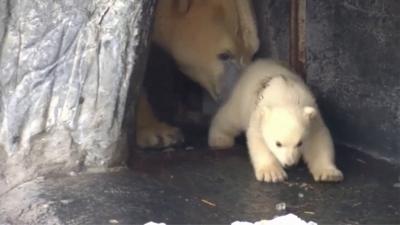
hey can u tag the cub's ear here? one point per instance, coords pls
(310, 112)
(264, 109)
(183, 6)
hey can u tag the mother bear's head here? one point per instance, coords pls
(210, 40)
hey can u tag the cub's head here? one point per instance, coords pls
(213, 40)
(285, 131)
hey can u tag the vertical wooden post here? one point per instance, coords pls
(297, 45)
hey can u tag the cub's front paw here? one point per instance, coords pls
(158, 136)
(272, 172)
(220, 142)
(330, 174)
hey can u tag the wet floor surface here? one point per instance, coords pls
(197, 185)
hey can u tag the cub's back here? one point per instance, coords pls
(259, 77)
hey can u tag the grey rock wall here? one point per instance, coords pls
(273, 28)
(65, 69)
(353, 57)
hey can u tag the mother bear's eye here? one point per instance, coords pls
(299, 144)
(278, 144)
(225, 56)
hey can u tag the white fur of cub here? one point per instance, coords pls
(282, 123)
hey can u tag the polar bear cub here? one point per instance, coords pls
(282, 123)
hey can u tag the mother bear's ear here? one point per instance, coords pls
(247, 25)
(183, 6)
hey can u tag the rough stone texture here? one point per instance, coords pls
(273, 28)
(65, 69)
(353, 57)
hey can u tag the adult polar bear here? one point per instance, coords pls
(208, 39)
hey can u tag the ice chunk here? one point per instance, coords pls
(280, 206)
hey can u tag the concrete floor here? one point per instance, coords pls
(196, 185)
(369, 194)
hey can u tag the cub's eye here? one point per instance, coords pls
(299, 144)
(225, 56)
(278, 144)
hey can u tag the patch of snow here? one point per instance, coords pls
(289, 219)
(153, 223)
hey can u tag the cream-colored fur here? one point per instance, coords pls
(194, 33)
(282, 124)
